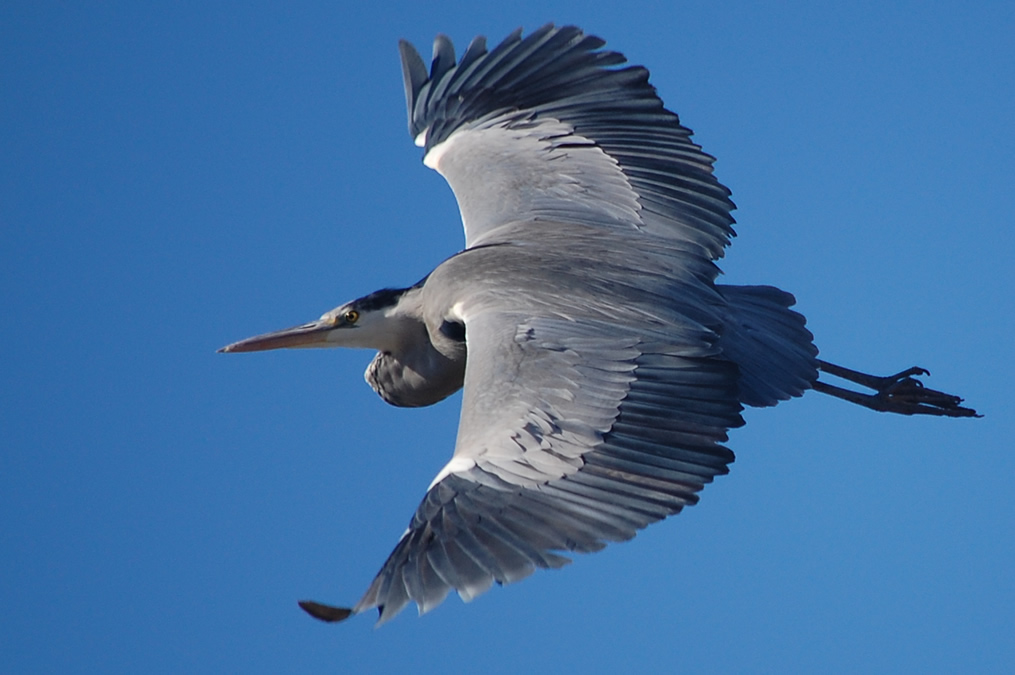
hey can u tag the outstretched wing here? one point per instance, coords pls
(548, 128)
(573, 434)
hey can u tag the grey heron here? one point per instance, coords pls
(602, 365)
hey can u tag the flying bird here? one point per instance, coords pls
(602, 366)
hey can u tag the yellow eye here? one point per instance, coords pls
(352, 316)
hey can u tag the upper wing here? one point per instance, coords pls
(573, 434)
(546, 128)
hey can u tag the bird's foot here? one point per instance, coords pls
(901, 393)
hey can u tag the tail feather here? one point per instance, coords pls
(770, 344)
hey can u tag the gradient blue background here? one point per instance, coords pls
(177, 176)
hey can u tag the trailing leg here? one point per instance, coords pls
(901, 393)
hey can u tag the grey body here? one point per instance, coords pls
(750, 325)
(602, 366)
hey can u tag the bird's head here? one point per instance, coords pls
(370, 322)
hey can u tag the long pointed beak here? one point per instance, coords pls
(313, 334)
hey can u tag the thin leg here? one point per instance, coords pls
(901, 393)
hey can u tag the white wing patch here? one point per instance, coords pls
(432, 159)
(458, 464)
(458, 311)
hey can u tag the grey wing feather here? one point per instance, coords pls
(584, 441)
(577, 138)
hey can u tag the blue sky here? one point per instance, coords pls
(178, 176)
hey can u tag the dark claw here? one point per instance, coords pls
(909, 373)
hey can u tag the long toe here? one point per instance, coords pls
(901, 393)
(911, 397)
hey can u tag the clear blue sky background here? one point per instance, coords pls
(177, 176)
